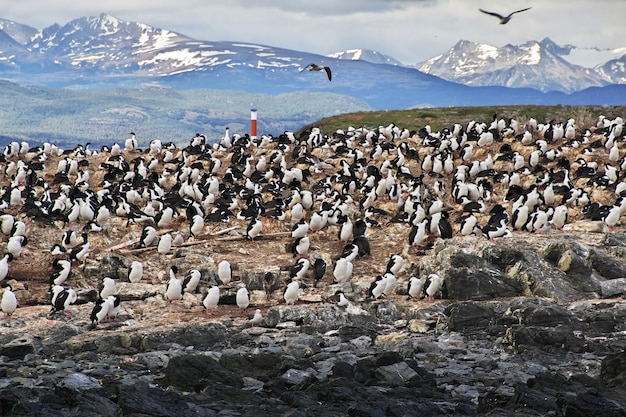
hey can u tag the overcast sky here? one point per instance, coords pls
(407, 30)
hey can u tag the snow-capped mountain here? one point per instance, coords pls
(614, 71)
(21, 34)
(106, 52)
(533, 64)
(368, 55)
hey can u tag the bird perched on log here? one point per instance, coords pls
(315, 67)
(504, 19)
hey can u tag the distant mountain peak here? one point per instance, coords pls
(532, 64)
(368, 55)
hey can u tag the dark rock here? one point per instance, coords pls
(343, 369)
(194, 372)
(261, 365)
(613, 287)
(541, 312)
(396, 374)
(471, 277)
(18, 348)
(570, 258)
(469, 314)
(522, 338)
(142, 400)
(607, 266)
(613, 369)
(203, 336)
(502, 257)
(298, 314)
(587, 403)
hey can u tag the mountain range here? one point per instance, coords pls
(541, 65)
(103, 52)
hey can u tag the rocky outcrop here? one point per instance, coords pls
(517, 330)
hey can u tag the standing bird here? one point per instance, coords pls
(9, 302)
(79, 252)
(165, 244)
(15, 244)
(254, 229)
(416, 287)
(4, 265)
(114, 302)
(62, 298)
(99, 312)
(269, 282)
(301, 246)
(148, 236)
(257, 319)
(504, 19)
(395, 263)
(319, 270)
(243, 298)
(343, 301)
(377, 288)
(292, 292)
(343, 270)
(106, 288)
(300, 268)
(315, 67)
(174, 288)
(432, 286)
(191, 281)
(211, 299)
(224, 272)
(62, 269)
(135, 271)
(390, 284)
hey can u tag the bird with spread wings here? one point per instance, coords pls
(315, 67)
(504, 19)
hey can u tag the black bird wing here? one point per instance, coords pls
(329, 73)
(492, 14)
(519, 11)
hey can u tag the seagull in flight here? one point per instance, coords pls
(315, 67)
(504, 19)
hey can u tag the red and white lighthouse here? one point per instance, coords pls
(253, 124)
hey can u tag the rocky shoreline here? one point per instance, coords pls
(529, 333)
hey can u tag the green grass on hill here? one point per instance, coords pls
(439, 118)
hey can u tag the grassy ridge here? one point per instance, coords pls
(439, 118)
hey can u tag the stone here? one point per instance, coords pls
(19, 347)
(613, 287)
(396, 374)
(79, 382)
(469, 314)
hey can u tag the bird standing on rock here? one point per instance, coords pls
(377, 288)
(174, 288)
(62, 298)
(415, 288)
(9, 302)
(106, 288)
(257, 319)
(315, 67)
(292, 292)
(135, 271)
(432, 286)
(224, 272)
(211, 299)
(243, 298)
(191, 281)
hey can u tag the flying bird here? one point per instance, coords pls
(504, 19)
(315, 67)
